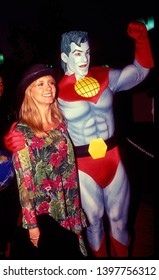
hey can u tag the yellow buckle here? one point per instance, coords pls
(97, 148)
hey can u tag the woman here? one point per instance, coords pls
(45, 168)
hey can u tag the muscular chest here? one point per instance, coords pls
(83, 109)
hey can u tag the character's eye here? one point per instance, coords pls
(78, 54)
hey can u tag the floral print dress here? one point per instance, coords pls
(47, 180)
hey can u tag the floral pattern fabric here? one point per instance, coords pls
(47, 180)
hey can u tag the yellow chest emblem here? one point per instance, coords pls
(87, 87)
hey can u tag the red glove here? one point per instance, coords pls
(14, 140)
(138, 31)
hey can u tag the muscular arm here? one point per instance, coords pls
(128, 77)
(135, 73)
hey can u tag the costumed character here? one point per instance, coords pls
(6, 177)
(6, 169)
(86, 99)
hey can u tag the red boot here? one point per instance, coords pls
(102, 252)
(118, 249)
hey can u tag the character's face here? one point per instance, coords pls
(43, 90)
(1, 86)
(78, 59)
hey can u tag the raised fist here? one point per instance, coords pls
(137, 30)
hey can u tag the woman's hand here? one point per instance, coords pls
(34, 235)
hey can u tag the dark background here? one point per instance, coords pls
(30, 32)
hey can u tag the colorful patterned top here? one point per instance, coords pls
(47, 180)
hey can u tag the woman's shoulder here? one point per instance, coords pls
(25, 129)
(22, 126)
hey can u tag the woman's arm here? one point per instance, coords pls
(23, 170)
